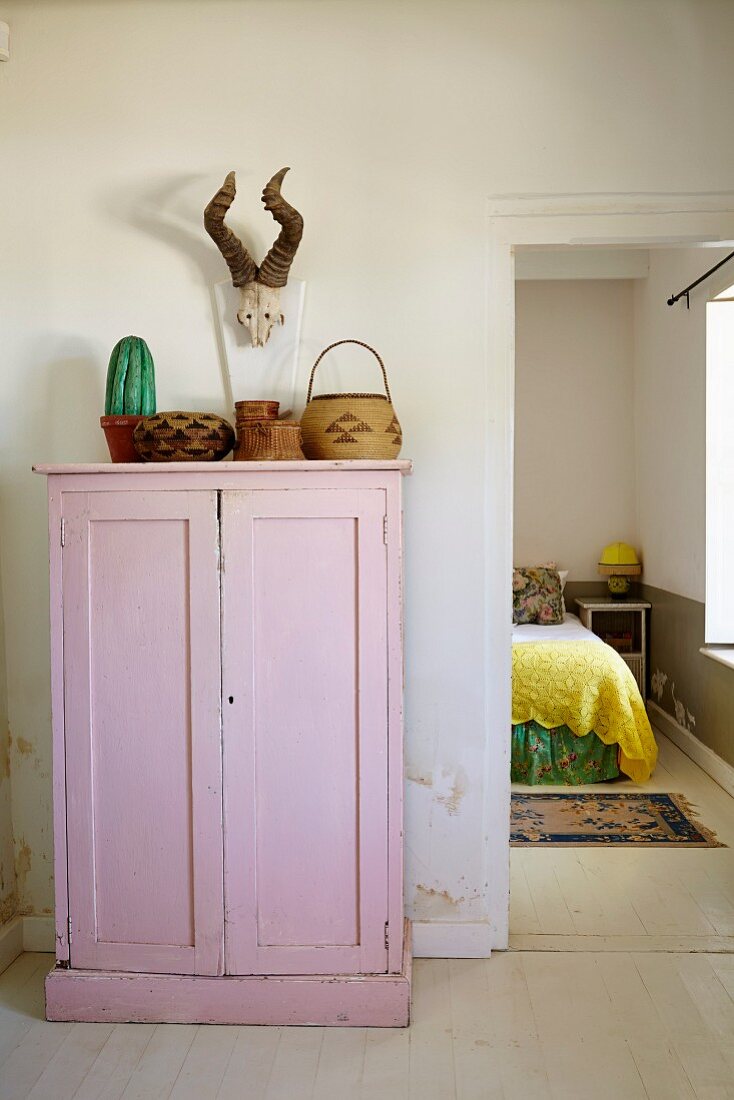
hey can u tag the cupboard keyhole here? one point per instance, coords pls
(231, 698)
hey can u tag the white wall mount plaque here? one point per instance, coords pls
(268, 373)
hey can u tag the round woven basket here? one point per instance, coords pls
(269, 441)
(183, 437)
(350, 425)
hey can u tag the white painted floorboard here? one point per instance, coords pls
(519, 1026)
(624, 989)
(632, 898)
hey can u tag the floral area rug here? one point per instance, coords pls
(566, 820)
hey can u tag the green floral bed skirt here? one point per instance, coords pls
(557, 756)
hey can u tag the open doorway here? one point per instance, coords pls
(590, 329)
(648, 221)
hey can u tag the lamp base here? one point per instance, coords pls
(619, 587)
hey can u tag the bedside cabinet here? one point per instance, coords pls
(623, 625)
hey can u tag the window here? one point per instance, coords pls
(720, 469)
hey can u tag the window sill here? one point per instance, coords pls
(724, 654)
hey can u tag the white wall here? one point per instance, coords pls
(118, 120)
(8, 892)
(670, 417)
(574, 427)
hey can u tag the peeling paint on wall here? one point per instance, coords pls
(658, 680)
(8, 907)
(23, 860)
(8, 892)
(421, 780)
(429, 902)
(5, 743)
(452, 799)
(26, 751)
(683, 715)
(443, 895)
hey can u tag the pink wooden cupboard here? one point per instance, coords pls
(227, 720)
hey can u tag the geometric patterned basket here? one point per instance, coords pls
(183, 437)
(350, 425)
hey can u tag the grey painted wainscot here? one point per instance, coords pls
(695, 691)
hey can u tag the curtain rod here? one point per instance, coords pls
(685, 293)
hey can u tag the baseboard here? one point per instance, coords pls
(431, 939)
(707, 760)
(451, 939)
(675, 945)
(25, 934)
(11, 942)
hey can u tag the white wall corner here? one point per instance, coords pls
(39, 934)
(25, 934)
(451, 939)
(11, 942)
(707, 760)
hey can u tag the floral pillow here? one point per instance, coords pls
(537, 596)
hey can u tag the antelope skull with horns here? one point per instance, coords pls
(259, 286)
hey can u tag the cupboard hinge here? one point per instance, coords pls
(68, 928)
(387, 935)
(384, 529)
(63, 531)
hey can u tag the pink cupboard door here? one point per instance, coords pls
(143, 732)
(305, 731)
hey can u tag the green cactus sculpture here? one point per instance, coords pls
(130, 379)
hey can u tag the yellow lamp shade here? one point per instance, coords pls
(619, 559)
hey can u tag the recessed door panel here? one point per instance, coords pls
(305, 731)
(142, 724)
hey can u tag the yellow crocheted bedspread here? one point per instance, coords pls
(585, 686)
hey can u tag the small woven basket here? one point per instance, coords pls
(255, 410)
(350, 425)
(269, 441)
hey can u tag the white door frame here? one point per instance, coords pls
(623, 220)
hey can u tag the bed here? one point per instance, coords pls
(577, 713)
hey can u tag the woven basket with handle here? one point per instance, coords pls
(350, 425)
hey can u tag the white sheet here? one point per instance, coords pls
(570, 630)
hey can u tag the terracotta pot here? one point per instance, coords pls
(118, 432)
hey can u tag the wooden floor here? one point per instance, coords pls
(624, 989)
(632, 899)
(521, 1026)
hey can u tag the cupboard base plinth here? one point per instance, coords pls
(373, 1000)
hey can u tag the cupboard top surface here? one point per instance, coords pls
(404, 466)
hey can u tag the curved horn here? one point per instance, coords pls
(276, 265)
(239, 260)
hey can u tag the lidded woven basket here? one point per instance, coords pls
(350, 425)
(255, 410)
(269, 441)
